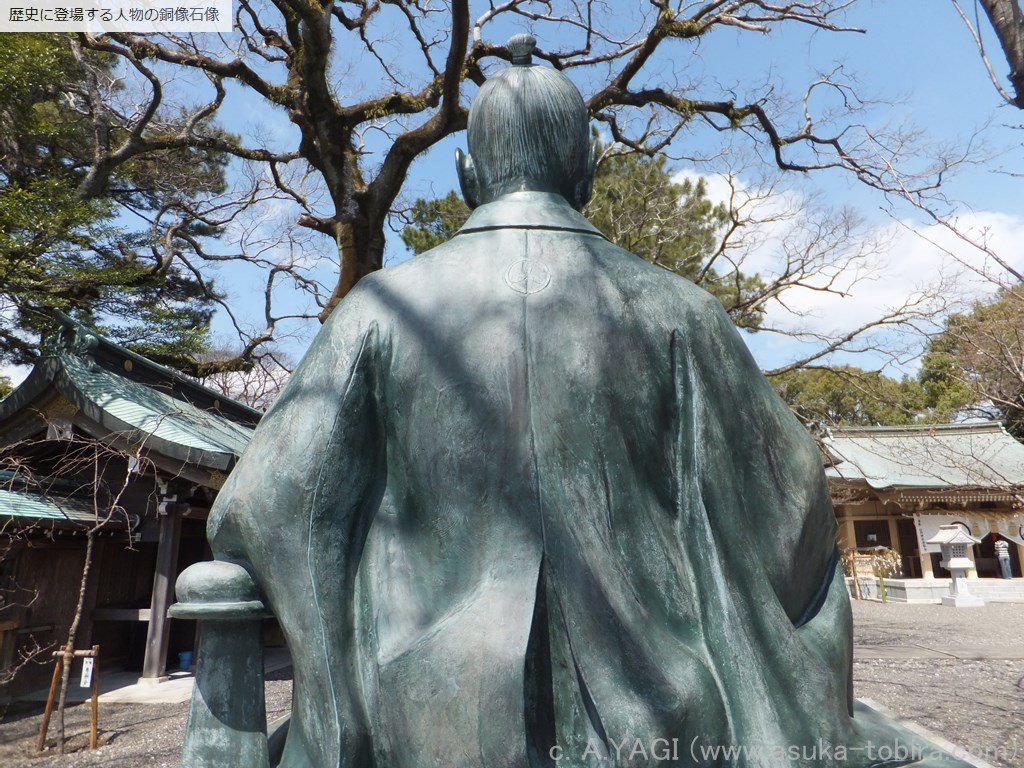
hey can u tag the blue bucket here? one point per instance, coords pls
(184, 660)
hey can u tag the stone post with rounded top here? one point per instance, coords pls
(227, 721)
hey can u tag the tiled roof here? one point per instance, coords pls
(980, 455)
(128, 396)
(26, 504)
(154, 412)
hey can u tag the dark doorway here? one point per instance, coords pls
(910, 548)
(872, 533)
(988, 565)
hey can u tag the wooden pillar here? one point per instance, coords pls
(154, 666)
(894, 539)
(1020, 556)
(847, 536)
(926, 565)
(973, 572)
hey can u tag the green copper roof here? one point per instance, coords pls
(981, 455)
(74, 338)
(26, 504)
(155, 412)
(115, 392)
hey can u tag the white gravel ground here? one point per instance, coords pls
(977, 704)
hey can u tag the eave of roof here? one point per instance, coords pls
(164, 422)
(26, 505)
(75, 338)
(965, 456)
(42, 375)
(187, 386)
(152, 418)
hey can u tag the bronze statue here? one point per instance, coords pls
(529, 501)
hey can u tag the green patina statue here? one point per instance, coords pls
(529, 501)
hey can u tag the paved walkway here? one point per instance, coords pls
(995, 626)
(901, 631)
(959, 672)
(918, 651)
(125, 688)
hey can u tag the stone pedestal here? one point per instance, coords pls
(962, 601)
(227, 721)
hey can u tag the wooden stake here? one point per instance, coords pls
(94, 717)
(48, 711)
(64, 656)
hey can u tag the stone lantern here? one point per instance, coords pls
(954, 540)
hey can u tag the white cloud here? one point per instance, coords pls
(886, 265)
(914, 259)
(719, 187)
(911, 255)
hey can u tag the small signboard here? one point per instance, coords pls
(86, 680)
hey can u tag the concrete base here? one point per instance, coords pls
(900, 590)
(152, 680)
(962, 601)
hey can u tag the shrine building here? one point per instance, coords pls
(99, 442)
(894, 486)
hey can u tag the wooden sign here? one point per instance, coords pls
(86, 679)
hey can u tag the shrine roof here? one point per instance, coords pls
(25, 500)
(156, 412)
(978, 455)
(124, 394)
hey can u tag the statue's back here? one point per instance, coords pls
(532, 564)
(528, 500)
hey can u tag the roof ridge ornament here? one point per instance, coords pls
(71, 338)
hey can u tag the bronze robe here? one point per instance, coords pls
(527, 496)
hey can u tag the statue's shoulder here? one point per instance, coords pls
(415, 269)
(381, 296)
(673, 295)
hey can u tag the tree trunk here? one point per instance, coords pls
(1008, 22)
(72, 635)
(360, 252)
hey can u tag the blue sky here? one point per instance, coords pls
(916, 55)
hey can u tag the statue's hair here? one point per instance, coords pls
(529, 123)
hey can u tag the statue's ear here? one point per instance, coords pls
(585, 186)
(467, 178)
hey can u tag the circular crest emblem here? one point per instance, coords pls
(527, 277)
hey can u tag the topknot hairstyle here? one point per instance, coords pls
(528, 130)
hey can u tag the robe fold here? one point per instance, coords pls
(528, 500)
